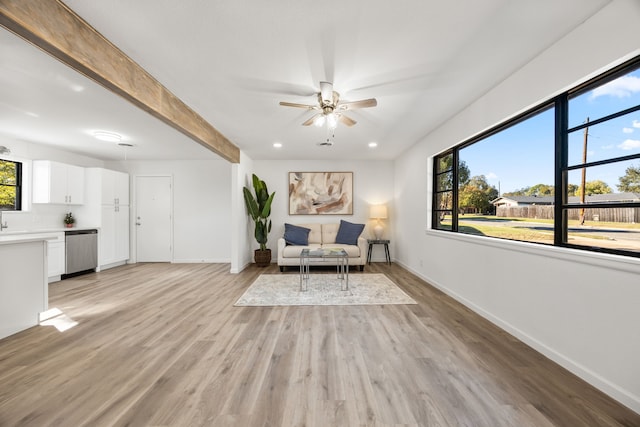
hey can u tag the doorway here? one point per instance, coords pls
(154, 219)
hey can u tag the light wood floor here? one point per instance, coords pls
(162, 345)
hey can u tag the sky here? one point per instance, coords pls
(522, 156)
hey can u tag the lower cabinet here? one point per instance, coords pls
(55, 257)
(114, 235)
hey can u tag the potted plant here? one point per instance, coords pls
(259, 208)
(69, 220)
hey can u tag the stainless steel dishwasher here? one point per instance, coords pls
(81, 251)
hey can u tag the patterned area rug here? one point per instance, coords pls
(323, 289)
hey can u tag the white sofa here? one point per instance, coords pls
(321, 236)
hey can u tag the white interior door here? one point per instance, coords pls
(153, 219)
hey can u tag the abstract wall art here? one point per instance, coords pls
(320, 193)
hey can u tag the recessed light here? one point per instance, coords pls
(277, 145)
(373, 144)
(107, 136)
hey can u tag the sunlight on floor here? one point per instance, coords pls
(55, 317)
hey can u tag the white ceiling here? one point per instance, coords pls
(233, 61)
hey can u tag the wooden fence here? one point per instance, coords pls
(628, 215)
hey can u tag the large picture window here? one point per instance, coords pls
(10, 185)
(566, 173)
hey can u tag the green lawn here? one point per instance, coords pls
(482, 225)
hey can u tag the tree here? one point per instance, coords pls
(597, 187)
(7, 185)
(540, 190)
(573, 190)
(630, 181)
(463, 173)
(445, 180)
(477, 194)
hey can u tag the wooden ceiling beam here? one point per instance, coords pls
(56, 29)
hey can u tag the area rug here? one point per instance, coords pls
(323, 289)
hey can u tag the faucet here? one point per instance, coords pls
(3, 225)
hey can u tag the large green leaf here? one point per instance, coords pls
(259, 208)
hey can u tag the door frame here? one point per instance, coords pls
(133, 231)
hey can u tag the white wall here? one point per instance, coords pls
(578, 308)
(241, 252)
(372, 184)
(201, 206)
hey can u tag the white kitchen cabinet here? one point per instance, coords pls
(114, 234)
(114, 187)
(56, 257)
(107, 200)
(57, 183)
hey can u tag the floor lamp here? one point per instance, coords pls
(378, 212)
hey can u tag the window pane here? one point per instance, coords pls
(604, 183)
(614, 138)
(514, 168)
(610, 228)
(444, 201)
(516, 159)
(445, 181)
(7, 198)
(442, 220)
(617, 95)
(8, 173)
(444, 163)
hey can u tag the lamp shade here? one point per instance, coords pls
(378, 211)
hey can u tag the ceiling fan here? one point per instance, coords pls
(331, 110)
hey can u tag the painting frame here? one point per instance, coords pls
(320, 193)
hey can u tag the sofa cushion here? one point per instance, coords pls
(348, 233)
(329, 233)
(296, 235)
(315, 235)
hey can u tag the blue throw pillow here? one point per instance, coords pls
(295, 235)
(348, 233)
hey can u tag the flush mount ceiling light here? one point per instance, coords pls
(107, 136)
(277, 145)
(373, 144)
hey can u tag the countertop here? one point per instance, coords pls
(8, 236)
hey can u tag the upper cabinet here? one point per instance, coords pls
(115, 187)
(57, 183)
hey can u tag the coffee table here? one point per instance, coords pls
(342, 265)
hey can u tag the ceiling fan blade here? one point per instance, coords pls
(293, 104)
(326, 92)
(310, 121)
(346, 120)
(365, 103)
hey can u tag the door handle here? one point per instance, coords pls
(137, 223)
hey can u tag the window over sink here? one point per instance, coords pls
(10, 185)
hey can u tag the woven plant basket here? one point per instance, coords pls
(262, 258)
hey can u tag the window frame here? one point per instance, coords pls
(18, 185)
(561, 156)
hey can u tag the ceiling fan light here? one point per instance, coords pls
(332, 121)
(319, 121)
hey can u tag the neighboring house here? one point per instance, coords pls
(515, 201)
